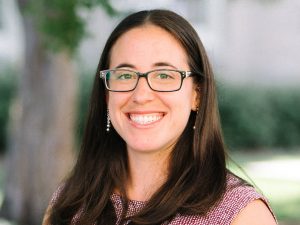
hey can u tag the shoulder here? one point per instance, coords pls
(242, 202)
(256, 212)
(56, 194)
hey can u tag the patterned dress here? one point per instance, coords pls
(236, 198)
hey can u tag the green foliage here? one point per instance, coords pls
(85, 88)
(59, 22)
(254, 117)
(7, 92)
(103, 3)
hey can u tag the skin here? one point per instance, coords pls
(143, 49)
(255, 213)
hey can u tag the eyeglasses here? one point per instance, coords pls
(161, 80)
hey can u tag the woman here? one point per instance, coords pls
(153, 152)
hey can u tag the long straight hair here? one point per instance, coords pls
(197, 170)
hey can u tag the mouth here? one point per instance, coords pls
(145, 119)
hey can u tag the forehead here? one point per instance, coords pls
(146, 45)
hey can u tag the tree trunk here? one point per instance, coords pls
(41, 144)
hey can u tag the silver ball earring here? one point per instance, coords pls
(108, 121)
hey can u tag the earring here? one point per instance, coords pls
(108, 121)
(194, 127)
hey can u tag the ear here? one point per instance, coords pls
(196, 98)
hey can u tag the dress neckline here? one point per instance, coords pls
(117, 197)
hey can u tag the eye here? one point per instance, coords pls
(125, 76)
(164, 75)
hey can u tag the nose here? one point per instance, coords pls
(142, 93)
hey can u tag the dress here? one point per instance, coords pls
(236, 197)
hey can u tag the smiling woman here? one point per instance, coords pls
(161, 159)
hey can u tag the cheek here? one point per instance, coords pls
(180, 104)
(187, 99)
(115, 102)
(115, 99)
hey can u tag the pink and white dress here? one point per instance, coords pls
(236, 198)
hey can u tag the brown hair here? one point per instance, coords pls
(197, 172)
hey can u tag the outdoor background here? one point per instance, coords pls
(49, 52)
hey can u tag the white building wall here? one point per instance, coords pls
(262, 42)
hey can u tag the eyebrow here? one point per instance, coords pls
(165, 64)
(155, 64)
(125, 65)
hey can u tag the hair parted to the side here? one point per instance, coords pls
(197, 170)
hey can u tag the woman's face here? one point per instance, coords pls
(147, 120)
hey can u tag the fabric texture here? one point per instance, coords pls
(236, 197)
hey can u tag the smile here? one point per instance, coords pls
(145, 119)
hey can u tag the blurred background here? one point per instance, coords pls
(49, 52)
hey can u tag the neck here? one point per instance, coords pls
(147, 172)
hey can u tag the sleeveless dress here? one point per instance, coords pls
(237, 196)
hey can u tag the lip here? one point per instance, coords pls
(145, 119)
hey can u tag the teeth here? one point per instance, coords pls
(145, 118)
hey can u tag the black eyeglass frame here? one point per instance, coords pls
(184, 74)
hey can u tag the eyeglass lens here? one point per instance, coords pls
(159, 80)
